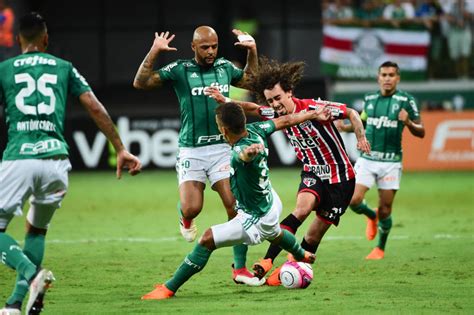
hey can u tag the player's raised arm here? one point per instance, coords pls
(250, 108)
(146, 78)
(102, 119)
(358, 128)
(248, 42)
(322, 114)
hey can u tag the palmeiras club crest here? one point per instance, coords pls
(368, 47)
(308, 181)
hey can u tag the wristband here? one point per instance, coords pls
(245, 37)
(227, 100)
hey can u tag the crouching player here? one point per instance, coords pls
(258, 205)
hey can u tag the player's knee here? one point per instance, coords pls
(302, 212)
(384, 210)
(207, 240)
(190, 209)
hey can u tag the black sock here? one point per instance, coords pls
(16, 305)
(292, 224)
(310, 248)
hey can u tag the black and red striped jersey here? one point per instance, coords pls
(319, 145)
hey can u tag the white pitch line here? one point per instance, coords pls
(168, 239)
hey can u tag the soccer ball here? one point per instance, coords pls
(296, 275)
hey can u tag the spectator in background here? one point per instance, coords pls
(399, 11)
(430, 12)
(7, 18)
(459, 35)
(370, 11)
(339, 11)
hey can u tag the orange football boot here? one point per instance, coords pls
(261, 267)
(371, 229)
(376, 254)
(308, 257)
(274, 279)
(161, 292)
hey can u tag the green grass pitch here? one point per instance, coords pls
(113, 240)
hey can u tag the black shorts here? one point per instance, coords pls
(332, 199)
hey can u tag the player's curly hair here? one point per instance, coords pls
(271, 72)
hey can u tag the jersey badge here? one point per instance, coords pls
(309, 181)
(395, 107)
(194, 75)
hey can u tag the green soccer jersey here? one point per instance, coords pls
(250, 181)
(383, 129)
(34, 87)
(198, 122)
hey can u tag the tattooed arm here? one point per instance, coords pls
(358, 128)
(146, 78)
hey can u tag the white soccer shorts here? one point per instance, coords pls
(43, 181)
(199, 164)
(247, 229)
(387, 175)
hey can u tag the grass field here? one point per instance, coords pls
(113, 240)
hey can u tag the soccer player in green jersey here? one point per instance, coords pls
(34, 87)
(203, 156)
(386, 113)
(259, 206)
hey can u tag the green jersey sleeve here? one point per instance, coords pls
(77, 83)
(263, 128)
(168, 73)
(412, 108)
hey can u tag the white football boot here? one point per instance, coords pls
(38, 287)
(188, 234)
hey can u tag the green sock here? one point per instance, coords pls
(34, 250)
(240, 255)
(363, 208)
(12, 256)
(289, 243)
(384, 229)
(192, 264)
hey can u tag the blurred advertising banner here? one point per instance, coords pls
(355, 52)
(448, 143)
(153, 140)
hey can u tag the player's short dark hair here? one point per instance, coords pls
(32, 25)
(232, 116)
(270, 72)
(388, 64)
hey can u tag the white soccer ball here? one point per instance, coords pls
(296, 275)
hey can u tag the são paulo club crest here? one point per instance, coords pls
(368, 47)
(308, 181)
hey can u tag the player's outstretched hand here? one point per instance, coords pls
(214, 93)
(126, 160)
(250, 152)
(322, 114)
(161, 42)
(363, 145)
(245, 40)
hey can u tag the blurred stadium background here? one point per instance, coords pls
(112, 240)
(342, 43)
